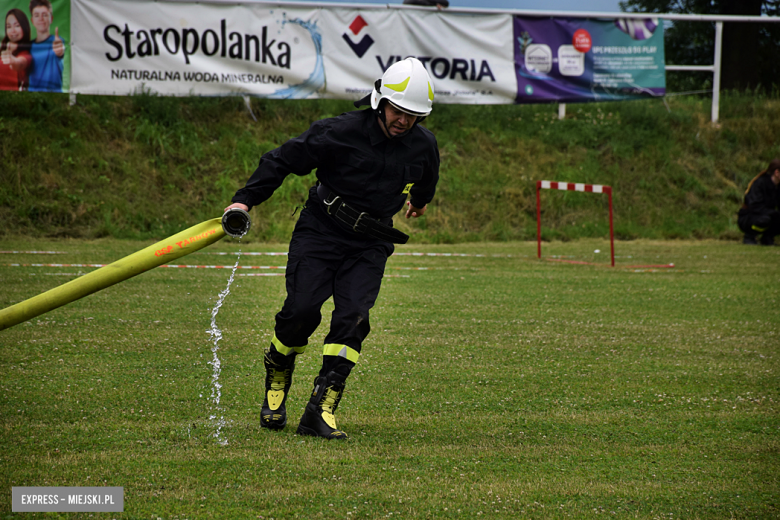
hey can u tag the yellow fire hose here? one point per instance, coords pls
(234, 222)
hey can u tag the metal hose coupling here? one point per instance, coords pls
(236, 222)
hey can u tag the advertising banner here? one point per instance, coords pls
(185, 49)
(34, 53)
(574, 59)
(119, 47)
(470, 58)
(214, 49)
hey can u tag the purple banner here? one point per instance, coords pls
(574, 60)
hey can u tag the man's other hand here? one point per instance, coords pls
(412, 211)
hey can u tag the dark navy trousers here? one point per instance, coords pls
(327, 260)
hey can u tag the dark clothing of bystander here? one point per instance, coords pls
(759, 214)
(428, 3)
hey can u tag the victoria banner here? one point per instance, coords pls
(469, 57)
(179, 48)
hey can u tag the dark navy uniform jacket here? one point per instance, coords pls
(355, 160)
(763, 196)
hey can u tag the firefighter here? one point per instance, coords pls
(759, 214)
(367, 163)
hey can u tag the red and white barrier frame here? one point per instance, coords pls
(571, 186)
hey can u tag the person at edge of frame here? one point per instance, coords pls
(759, 213)
(367, 162)
(439, 4)
(47, 50)
(15, 58)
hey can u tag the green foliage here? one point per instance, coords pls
(147, 166)
(496, 386)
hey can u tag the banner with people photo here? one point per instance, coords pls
(34, 53)
(173, 48)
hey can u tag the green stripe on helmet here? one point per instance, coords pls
(399, 87)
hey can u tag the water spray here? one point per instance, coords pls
(236, 223)
(216, 335)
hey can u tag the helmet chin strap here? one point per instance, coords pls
(383, 119)
(380, 109)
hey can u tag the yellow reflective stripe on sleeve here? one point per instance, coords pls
(335, 349)
(284, 349)
(398, 87)
(408, 188)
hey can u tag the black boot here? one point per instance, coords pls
(319, 419)
(278, 378)
(750, 240)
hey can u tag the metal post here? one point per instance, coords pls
(248, 105)
(608, 189)
(716, 72)
(538, 220)
(561, 110)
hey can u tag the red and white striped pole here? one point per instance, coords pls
(572, 186)
(538, 221)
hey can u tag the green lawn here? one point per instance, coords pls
(494, 386)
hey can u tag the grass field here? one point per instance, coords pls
(492, 386)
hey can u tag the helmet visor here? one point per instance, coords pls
(406, 110)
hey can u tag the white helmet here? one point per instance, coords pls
(407, 85)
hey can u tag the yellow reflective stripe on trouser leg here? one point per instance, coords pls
(284, 349)
(336, 349)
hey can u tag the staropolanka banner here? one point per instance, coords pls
(120, 47)
(184, 49)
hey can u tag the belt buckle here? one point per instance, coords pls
(329, 205)
(354, 228)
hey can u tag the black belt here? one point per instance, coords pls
(358, 221)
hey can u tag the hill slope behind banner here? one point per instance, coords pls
(181, 49)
